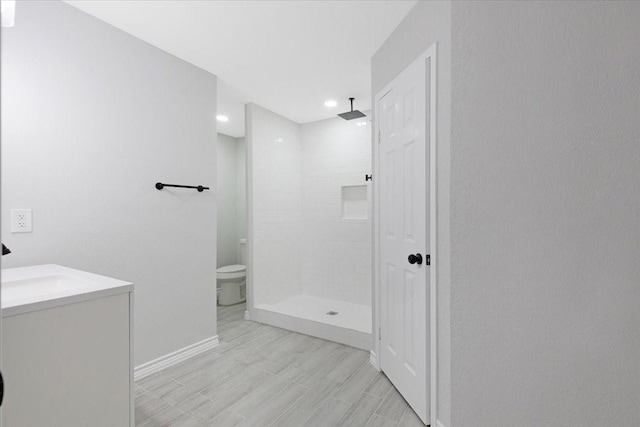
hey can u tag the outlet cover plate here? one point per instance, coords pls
(21, 221)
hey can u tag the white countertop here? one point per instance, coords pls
(38, 287)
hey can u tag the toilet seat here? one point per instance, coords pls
(232, 268)
(234, 271)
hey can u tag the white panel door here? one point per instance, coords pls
(404, 235)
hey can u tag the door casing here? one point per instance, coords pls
(430, 54)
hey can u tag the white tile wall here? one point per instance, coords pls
(337, 261)
(277, 209)
(302, 246)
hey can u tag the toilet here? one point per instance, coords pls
(231, 280)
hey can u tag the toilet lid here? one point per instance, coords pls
(235, 268)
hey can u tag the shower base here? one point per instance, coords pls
(307, 314)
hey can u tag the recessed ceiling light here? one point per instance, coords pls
(279, 140)
(8, 12)
(330, 103)
(222, 118)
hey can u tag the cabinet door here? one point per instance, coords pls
(68, 366)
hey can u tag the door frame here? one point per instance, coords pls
(430, 53)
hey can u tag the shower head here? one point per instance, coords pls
(353, 114)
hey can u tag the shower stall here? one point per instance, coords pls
(309, 225)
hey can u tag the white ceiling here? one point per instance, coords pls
(287, 56)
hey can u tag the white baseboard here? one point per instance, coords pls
(174, 358)
(439, 424)
(373, 359)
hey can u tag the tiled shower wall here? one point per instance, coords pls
(273, 150)
(336, 252)
(302, 244)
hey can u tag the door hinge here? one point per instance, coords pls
(379, 333)
(428, 261)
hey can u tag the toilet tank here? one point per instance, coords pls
(243, 251)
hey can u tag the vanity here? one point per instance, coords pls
(67, 346)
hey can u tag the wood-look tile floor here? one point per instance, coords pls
(263, 376)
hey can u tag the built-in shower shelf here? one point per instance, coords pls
(354, 202)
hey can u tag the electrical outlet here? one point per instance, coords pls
(21, 221)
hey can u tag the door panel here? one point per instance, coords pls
(404, 222)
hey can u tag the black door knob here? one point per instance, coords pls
(415, 259)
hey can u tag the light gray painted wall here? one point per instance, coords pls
(241, 188)
(545, 214)
(426, 24)
(228, 217)
(92, 118)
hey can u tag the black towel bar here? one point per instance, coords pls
(200, 188)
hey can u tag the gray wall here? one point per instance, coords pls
(228, 215)
(241, 187)
(426, 24)
(545, 214)
(92, 118)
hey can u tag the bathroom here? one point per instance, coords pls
(89, 175)
(147, 144)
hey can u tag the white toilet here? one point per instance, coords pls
(231, 279)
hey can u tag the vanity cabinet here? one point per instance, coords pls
(69, 365)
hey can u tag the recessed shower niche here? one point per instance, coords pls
(354, 202)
